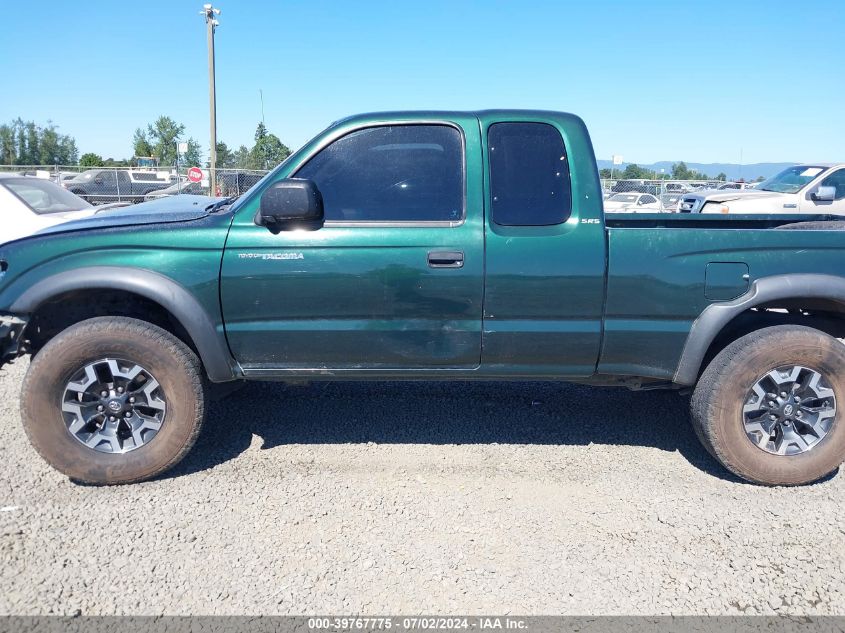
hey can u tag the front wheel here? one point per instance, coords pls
(113, 400)
(768, 406)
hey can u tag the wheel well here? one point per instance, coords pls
(66, 309)
(820, 314)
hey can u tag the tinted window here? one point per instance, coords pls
(400, 173)
(529, 175)
(107, 178)
(145, 175)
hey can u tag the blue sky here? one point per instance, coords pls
(656, 80)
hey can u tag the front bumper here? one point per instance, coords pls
(11, 329)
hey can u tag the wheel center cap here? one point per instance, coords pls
(115, 405)
(788, 409)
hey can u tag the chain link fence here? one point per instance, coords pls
(657, 196)
(130, 185)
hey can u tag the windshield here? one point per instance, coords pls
(85, 175)
(623, 197)
(791, 180)
(43, 196)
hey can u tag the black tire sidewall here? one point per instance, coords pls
(154, 349)
(767, 351)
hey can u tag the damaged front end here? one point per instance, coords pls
(11, 330)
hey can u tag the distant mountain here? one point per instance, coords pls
(732, 170)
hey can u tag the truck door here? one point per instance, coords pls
(124, 187)
(545, 248)
(393, 280)
(836, 206)
(104, 187)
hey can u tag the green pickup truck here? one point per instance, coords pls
(426, 246)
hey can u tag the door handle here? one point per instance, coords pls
(445, 259)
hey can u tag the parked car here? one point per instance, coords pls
(632, 203)
(180, 188)
(29, 204)
(669, 202)
(101, 186)
(814, 189)
(676, 187)
(62, 176)
(427, 246)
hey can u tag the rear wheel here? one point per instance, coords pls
(768, 405)
(113, 400)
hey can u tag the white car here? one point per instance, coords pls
(29, 204)
(632, 203)
(812, 189)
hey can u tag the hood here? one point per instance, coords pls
(735, 194)
(67, 216)
(160, 211)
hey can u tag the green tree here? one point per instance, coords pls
(268, 150)
(8, 148)
(159, 139)
(240, 157)
(141, 144)
(33, 153)
(680, 171)
(69, 151)
(50, 146)
(27, 143)
(225, 156)
(635, 172)
(90, 159)
(23, 152)
(722, 176)
(193, 157)
(164, 134)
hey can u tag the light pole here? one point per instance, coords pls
(211, 23)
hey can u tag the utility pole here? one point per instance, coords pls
(211, 24)
(261, 95)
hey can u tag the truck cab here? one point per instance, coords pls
(407, 271)
(104, 185)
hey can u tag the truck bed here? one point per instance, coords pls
(665, 270)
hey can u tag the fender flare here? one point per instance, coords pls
(173, 297)
(764, 290)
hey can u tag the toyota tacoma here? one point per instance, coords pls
(427, 246)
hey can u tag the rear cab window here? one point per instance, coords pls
(530, 182)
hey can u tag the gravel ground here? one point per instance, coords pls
(403, 498)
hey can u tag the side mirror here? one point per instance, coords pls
(292, 203)
(824, 194)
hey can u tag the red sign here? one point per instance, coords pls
(195, 174)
